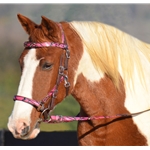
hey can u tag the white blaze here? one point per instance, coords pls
(23, 110)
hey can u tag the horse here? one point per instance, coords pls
(105, 69)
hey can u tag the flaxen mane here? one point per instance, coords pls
(107, 45)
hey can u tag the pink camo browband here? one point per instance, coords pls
(29, 44)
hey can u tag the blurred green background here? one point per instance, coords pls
(131, 18)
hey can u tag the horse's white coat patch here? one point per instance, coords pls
(138, 99)
(23, 110)
(87, 68)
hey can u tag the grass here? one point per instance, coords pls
(9, 81)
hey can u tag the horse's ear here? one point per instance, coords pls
(49, 27)
(26, 23)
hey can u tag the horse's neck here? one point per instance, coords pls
(98, 98)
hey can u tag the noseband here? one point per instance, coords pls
(40, 106)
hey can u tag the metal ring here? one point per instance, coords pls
(42, 113)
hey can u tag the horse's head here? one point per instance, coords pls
(44, 81)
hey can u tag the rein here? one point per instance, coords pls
(60, 119)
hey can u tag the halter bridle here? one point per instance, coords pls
(62, 76)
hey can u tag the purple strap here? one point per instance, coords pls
(27, 100)
(34, 102)
(29, 44)
(62, 33)
(60, 119)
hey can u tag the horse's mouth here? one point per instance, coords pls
(27, 133)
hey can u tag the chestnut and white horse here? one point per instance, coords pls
(106, 70)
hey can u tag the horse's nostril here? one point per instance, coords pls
(25, 131)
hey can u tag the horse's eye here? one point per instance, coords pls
(47, 66)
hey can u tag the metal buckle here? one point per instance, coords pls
(46, 116)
